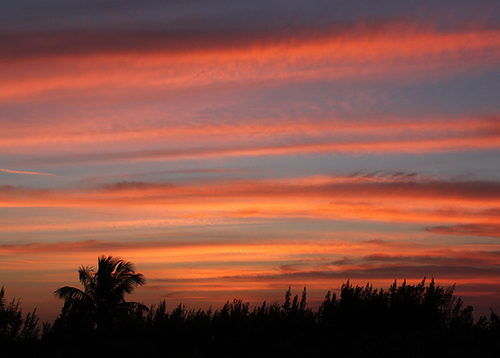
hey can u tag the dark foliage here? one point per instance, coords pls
(422, 320)
(98, 314)
(18, 335)
(101, 305)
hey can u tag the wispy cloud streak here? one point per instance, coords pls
(484, 229)
(258, 138)
(25, 172)
(393, 52)
(403, 197)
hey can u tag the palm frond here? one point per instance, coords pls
(133, 307)
(129, 283)
(106, 265)
(71, 293)
(86, 275)
(124, 268)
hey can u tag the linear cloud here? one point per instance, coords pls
(483, 229)
(80, 42)
(10, 171)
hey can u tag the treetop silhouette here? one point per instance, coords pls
(405, 320)
(103, 296)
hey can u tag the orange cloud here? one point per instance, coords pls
(112, 69)
(484, 229)
(213, 271)
(373, 54)
(395, 197)
(257, 137)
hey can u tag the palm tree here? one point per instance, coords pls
(103, 296)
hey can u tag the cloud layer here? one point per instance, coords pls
(236, 148)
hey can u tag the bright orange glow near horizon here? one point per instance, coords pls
(234, 156)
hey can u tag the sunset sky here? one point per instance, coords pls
(234, 148)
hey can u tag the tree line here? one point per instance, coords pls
(421, 320)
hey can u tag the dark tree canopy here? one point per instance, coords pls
(406, 320)
(102, 299)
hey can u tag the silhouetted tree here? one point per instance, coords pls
(12, 325)
(102, 299)
(287, 304)
(18, 336)
(421, 320)
(303, 300)
(2, 299)
(10, 318)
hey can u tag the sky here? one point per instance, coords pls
(231, 149)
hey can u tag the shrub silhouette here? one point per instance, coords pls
(420, 320)
(18, 336)
(12, 325)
